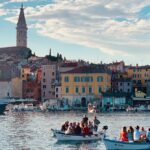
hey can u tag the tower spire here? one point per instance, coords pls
(22, 5)
(21, 29)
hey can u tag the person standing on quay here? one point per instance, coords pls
(96, 123)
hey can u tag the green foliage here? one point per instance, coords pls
(54, 58)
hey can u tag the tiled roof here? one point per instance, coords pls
(70, 64)
(116, 63)
(90, 69)
(140, 67)
(122, 80)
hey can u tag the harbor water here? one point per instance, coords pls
(32, 130)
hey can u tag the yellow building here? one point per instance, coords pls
(16, 87)
(140, 75)
(86, 82)
(25, 72)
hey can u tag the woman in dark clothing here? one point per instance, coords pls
(78, 129)
(85, 120)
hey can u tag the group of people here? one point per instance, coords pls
(85, 127)
(137, 135)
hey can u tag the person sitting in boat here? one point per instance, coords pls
(85, 119)
(96, 123)
(148, 135)
(103, 131)
(69, 130)
(91, 127)
(73, 127)
(77, 130)
(124, 135)
(143, 134)
(86, 130)
(130, 133)
(64, 127)
(136, 135)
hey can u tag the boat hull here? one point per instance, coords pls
(60, 136)
(2, 108)
(118, 145)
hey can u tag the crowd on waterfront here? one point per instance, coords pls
(85, 127)
(137, 135)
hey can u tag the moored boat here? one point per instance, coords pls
(118, 145)
(3, 104)
(61, 136)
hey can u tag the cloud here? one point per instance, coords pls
(113, 27)
(18, 1)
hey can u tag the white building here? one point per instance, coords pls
(5, 89)
(58, 92)
(48, 81)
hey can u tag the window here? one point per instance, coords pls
(43, 73)
(44, 86)
(83, 89)
(128, 84)
(99, 79)
(44, 80)
(56, 89)
(83, 79)
(128, 90)
(56, 95)
(90, 89)
(120, 83)
(53, 73)
(99, 89)
(145, 81)
(77, 90)
(76, 79)
(67, 90)
(66, 79)
(43, 93)
(90, 79)
(120, 90)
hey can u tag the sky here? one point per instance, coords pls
(92, 30)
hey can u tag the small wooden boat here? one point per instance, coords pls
(118, 145)
(61, 136)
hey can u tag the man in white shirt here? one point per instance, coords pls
(136, 135)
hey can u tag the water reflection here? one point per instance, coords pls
(32, 131)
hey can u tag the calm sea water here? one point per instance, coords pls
(32, 131)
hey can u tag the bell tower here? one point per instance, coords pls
(21, 29)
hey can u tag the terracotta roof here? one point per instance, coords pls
(122, 80)
(116, 63)
(70, 64)
(140, 67)
(90, 69)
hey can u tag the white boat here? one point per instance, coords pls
(91, 108)
(61, 136)
(118, 145)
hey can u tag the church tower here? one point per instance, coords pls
(21, 29)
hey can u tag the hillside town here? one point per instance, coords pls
(70, 83)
